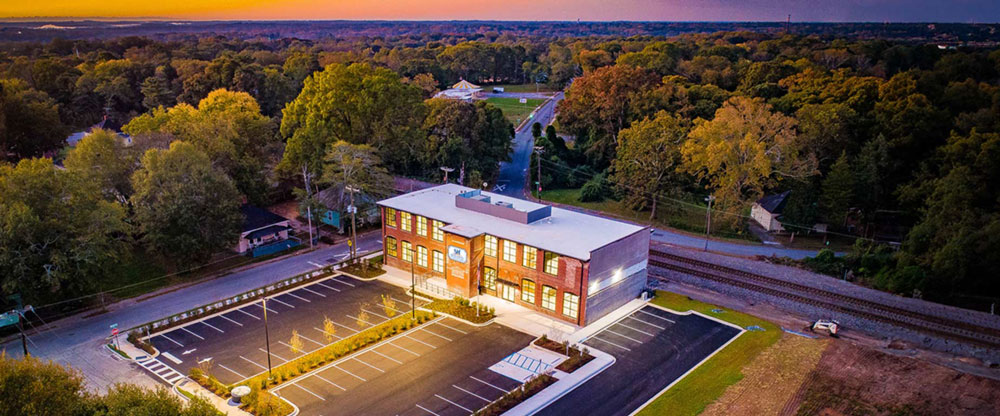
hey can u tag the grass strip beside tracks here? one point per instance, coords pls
(706, 383)
(258, 402)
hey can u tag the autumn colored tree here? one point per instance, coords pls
(743, 151)
(648, 160)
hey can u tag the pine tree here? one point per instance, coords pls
(838, 191)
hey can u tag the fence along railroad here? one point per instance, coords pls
(940, 326)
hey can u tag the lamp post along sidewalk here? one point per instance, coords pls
(352, 209)
(267, 341)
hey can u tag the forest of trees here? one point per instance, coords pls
(857, 129)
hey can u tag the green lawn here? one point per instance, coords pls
(686, 218)
(521, 88)
(513, 109)
(705, 384)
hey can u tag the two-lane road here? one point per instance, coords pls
(513, 174)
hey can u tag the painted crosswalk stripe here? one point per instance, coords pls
(230, 320)
(474, 394)
(192, 333)
(171, 340)
(456, 404)
(213, 327)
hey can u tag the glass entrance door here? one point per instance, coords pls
(508, 292)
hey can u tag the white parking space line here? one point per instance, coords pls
(328, 381)
(302, 351)
(268, 309)
(312, 341)
(283, 303)
(327, 333)
(308, 391)
(635, 329)
(275, 355)
(473, 394)
(213, 327)
(348, 372)
(253, 362)
(248, 313)
(622, 335)
(370, 323)
(232, 371)
(375, 313)
(432, 333)
(386, 356)
(450, 327)
(328, 287)
(372, 366)
(456, 404)
(315, 264)
(313, 292)
(299, 297)
(609, 342)
(192, 333)
(342, 282)
(632, 317)
(489, 384)
(657, 316)
(230, 320)
(408, 336)
(345, 326)
(402, 348)
(168, 339)
(428, 411)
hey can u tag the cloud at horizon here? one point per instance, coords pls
(966, 11)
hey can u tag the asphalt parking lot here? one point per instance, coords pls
(652, 348)
(440, 368)
(231, 345)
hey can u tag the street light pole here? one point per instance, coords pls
(446, 171)
(708, 218)
(413, 285)
(267, 340)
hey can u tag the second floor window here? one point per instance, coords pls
(490, 247)
(390, 217)
(436, 232)
(509, 251)
(529, 258)
(422, 226)
(406, 221)
(551, 263)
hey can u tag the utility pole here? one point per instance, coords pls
(446, 171)
(538, 161)
(353, 209)
(267, 340)
(708, 218)
(413, 285)
(309, 216)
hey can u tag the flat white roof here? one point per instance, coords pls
(565, 232)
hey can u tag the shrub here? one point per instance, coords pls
(595, 190)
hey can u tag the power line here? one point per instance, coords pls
(572, 171)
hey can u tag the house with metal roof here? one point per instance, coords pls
(767, 210)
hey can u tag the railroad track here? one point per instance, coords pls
(874, 311)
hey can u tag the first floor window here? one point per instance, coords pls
(390, 246)
(490, 278)
(438, 261)
(390, 217)
(549, 298)
(527, 291)
(571, 304)
(407, 252)
(421, 256)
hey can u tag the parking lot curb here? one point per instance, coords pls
(487, 323)
(530, 408)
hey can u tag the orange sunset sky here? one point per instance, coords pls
(677, 10)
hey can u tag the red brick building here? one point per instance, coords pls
(566, 264)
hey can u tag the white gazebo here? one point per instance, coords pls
(463, 90)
